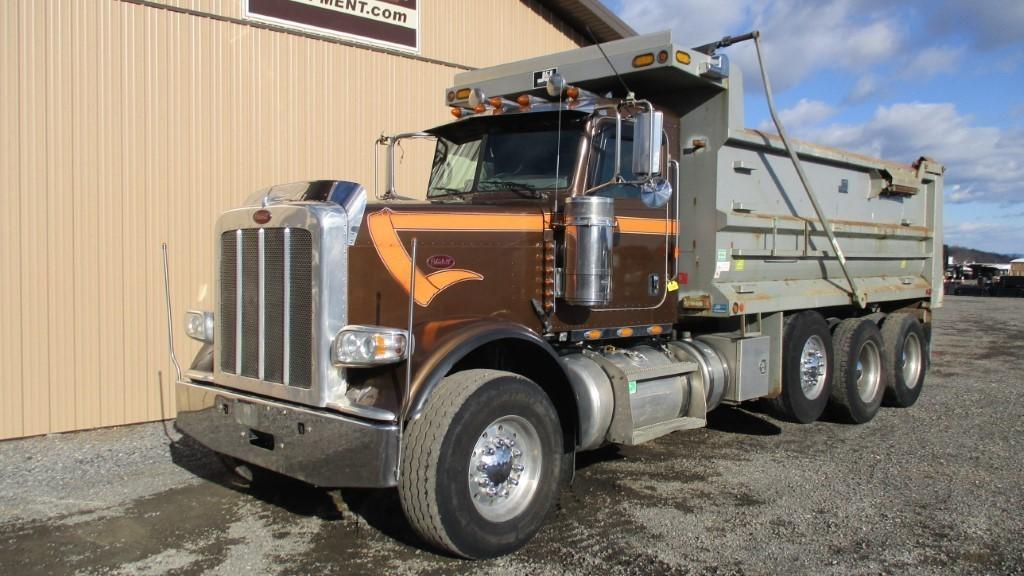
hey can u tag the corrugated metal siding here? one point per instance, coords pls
(123, 126)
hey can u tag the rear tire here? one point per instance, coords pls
(482, 466)
(906, 348)
(861, 370)
(807, 363)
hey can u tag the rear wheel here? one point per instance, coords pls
(861, 370)
(482, 465)
(906, 348)
(806, 368)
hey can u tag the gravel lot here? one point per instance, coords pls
(935, 489)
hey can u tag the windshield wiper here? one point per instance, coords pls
(450, 193)
(521, 188)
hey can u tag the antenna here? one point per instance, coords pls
(608, 60)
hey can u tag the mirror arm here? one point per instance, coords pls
(391, 141)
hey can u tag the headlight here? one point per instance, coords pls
(369, 346)
(199, 325)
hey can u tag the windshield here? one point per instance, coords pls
(505, 153)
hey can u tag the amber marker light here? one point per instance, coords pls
(643, 60)
(624, 332)
(462, 94)
(682, 57)
(572, 92)
(592, 334)
(655, 330)
(479, 108)
(523, 100)
(662, 57)
(495, 102)
(457, 112)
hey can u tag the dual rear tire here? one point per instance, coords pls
(850, 369)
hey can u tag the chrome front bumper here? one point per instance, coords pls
(316, 446)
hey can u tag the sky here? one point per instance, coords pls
(894, 79)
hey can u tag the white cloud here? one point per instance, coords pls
(935, 60)
(983, 163)
(991, 235)
(805, 114)
(991, 23)
(866, 87)
(799, 38)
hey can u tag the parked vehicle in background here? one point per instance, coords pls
(604, 255)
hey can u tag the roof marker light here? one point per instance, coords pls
(682, 57)
(642, 60)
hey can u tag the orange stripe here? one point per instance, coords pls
(398, 262)
(630, 225)
(467, 222)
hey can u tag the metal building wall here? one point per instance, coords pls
(124, 125)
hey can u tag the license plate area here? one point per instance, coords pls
(246, 414)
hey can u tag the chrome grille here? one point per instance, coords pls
(266, 316)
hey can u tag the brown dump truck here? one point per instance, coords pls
(604, 255)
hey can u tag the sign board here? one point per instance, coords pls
(540, 77)
(388, 23)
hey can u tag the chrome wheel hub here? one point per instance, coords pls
(911, 360)
(813, 367)
(869, 371)
(504, 468)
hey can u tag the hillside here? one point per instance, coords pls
(963, 254)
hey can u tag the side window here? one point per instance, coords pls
(602, 168)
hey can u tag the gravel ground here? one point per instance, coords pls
(935, 489)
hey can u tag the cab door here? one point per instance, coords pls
(644, 235)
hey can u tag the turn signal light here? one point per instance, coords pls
(643, 60)
(682, 57)
(462, 94)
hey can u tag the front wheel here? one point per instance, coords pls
(482, 465)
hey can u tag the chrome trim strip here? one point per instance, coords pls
(286, 355)
(238, 301)
(261, 279)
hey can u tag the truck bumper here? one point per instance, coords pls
(319, 447)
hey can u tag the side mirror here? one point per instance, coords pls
(647, 143)
(656, 192)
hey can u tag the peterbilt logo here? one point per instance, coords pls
(440, 261)
(261, 216)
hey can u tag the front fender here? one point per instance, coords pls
(441, 345)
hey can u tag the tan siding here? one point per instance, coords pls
(123, 126)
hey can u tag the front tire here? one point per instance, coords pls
(906, 347)
(861, 369)
(482, 465)
(806, 369)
